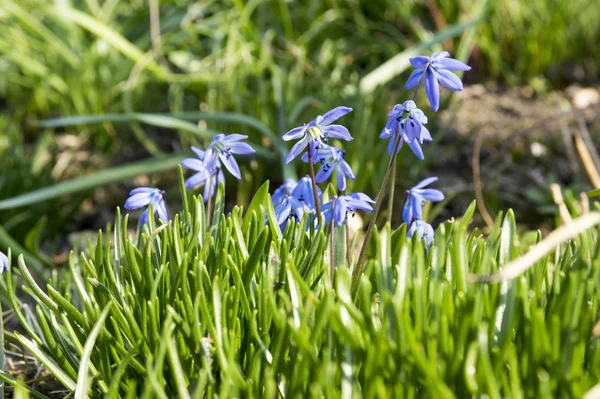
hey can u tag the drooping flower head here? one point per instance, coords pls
(423, 230)
(338, 208)
(3, 262)
(294, 200)
(197, 165)
(318, 131)
(406, 123)
(436, 69)
(283, 191)
(416, 197)
(332, 159)
(145, 196)
(223, 148)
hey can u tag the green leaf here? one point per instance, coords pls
(84, 381)
(594, 193)
(260, 198)
(93, 180)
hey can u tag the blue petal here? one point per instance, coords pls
(417, 208)
(343, 165)
(144, 217)
(3, 262)
(392, 143)
(232, 138)
(196, 179)
(193, 164)
(416, 148)
(361, 197)
(431, 194)
(337, 132)
(449, 80)
(161, 208)
(440, 55)
(425, 135)
(198, 152)
(413, 128)
(294, 133)
(425, 182)
(138, 200)
(297, 149)
(339, 213)
(431, 89)
(231, 165)
(324, 173)
(341, 181)
(360, 205)
(407, 214)
(451, 64)
(414, 79)
(142, 190)
(334, 115)
(419, 62)
(241, 148)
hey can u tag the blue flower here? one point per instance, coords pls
(223, 148)
(331, 159)
(197, 165)
(283, 191)
(303, 192)
(292, 200)
(144, 196)
(416, 197)
(3, 262)
(436, 69)
(406, 123)
(422, 229)
(338, 208)
(318, 131)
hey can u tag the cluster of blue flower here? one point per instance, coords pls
(293, 199)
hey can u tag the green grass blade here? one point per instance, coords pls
(113, 175)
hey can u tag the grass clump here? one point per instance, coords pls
(241, 309)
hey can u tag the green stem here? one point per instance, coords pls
(332, 259)
(360, 265)
(348, 254)
(210, 202)
(311, 171)
(392, 191)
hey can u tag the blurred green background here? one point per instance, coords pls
(160, 76)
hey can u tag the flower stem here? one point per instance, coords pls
(311, 171)
(360, 264)
(210, 203)
(348, 254)
(332, 256)
(392, 191)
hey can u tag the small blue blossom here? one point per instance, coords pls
(416, 197)
(303, 192)
(338, 208)
(216, 180)
(436, 69)
(318, 131)
(223, 148)
(292, 200)
(197, 165)
(283, 191)
(332, 159)
(3, 262)
(422, 229)
(407, 123)
(144, 196)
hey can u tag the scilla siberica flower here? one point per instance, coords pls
(215, 174)
(338, 208)
(406, 123)
(436, 69)
(223, 148)
(318, 131)
(331, 159)
(416, 197)
(3, 262)
(295, 202)
(144, 196)
(283, 191)
(422, 229)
